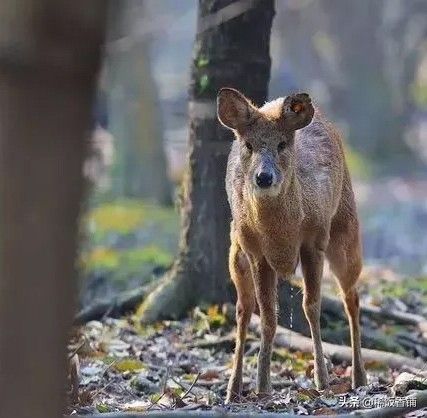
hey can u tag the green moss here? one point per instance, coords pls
(128, 238)
(109, 360)
(102, 408)
(357, 165)
(393, 329)
(148, 330)
(151, 254)
(384, 343)
(403, 288)
(203, 83)
(118, 217)
(125, 216)
(155, 398)
(418, 92)
(216, 318)
(202, 61)
(282, 354)
(418, 283)
(129, 365)
(101, 259)
(125, 264)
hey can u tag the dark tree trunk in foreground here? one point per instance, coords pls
(234, 53)
(49, 54)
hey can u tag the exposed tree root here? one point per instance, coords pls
(124, 302)
(335, 306)
(172, 297)
(290, 339)
(169, 297)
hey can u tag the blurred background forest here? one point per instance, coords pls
(364, 63)
(154, 328)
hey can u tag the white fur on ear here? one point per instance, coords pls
(234, 110)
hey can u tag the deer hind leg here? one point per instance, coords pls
(344, 255)
(242, 279)
(312, 259)
(265, 282)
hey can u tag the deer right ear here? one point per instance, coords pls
(234, 110)
(297, 111)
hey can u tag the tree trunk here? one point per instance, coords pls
(231, 49)
(49, 54)
(140, 168)
(373, 102)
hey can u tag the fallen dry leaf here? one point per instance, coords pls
(325, 411)
(341, 387)
(209, 374)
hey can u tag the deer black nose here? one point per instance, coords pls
(264, 179)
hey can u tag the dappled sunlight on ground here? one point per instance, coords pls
(186, 365)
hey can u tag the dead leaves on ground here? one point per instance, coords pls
(118, 365)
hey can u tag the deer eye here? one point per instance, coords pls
(281, 146)
(248, 146)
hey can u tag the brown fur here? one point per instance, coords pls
(308, 214)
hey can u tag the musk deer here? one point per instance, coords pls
(291, 200)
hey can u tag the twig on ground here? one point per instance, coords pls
(165, 386)
(165, 382)
(191, 387)
(183, 387)
(294, 341)
(335, 306)
(156, 401)
(100, 390)
(71, 355)
(129, 392)
(252, 349)
(123, 303)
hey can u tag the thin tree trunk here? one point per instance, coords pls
(368, 87)
(231, 49)
(377, 119)
(49, 54)
(135, 117)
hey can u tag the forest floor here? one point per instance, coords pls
(120, 365)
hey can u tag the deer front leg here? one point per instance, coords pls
(265, 282)
(312, 266)
(242, 279)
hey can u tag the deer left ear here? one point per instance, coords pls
(297, 111)
(234, 110)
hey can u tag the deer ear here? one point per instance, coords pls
(297, 111)
(234, 110)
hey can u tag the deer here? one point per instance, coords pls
(292, 202)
